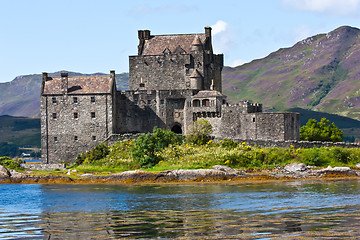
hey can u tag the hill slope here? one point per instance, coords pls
(21, 96)
(320, 73)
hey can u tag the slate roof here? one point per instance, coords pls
(80, 85)
(158, 43)
(208, 93)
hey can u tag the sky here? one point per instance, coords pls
(90, 36)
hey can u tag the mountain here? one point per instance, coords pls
(320, 73)
(21, 96)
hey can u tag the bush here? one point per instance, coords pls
(95, 154)
(11, 164)
(200, 132)
(320, 131)
(147, 146)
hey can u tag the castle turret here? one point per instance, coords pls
(196, 44)
(196, 80)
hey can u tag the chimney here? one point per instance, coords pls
(208, 37)
(44, 76)
(64, 83)
(112, 75)
(141, 34)
(146, 34)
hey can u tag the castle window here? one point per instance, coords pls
(212, 102)
(76, 115)
(54, 115)
(162, 101)
(149, 102)
(75, 138)
(75, 100)
(55, 139)
(196, 103)
(142, 84)
(92, 99)
(136, 102)
(187, 72)
(54, 100)
(253, 119)
(93, 138)
(92, 114)
(206, 103)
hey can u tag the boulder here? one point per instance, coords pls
(336, 170)
(4, 172)
(295, 167)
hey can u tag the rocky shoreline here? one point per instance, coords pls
(217, 173)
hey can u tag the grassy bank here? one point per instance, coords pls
(186, 156)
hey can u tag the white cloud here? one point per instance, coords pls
(337, 7)
(220, 26)
(223, 38)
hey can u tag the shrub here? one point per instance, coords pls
(147, 146)
(10, 163)
(228, 143)
(199, 133)
(95, 154)
(320, 131)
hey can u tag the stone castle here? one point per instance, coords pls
(174, 80)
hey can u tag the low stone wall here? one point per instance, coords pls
(44, 166)
(297, 144)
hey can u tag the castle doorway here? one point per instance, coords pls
(176, 129)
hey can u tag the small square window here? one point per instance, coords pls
(162, 101)
(92, 99)
(55, 139)
(253, 119)
(76, 115)
(187, 72)
(75, 138)
(75, 100)
(136, 102)
(149, 102)
(94, 138)
(142, 84)
(92, 114)
(54, 115)
(54, 100)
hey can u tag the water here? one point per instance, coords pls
(277, 210)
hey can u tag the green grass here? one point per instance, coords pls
(238, 156)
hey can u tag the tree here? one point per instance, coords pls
(320, 131)
(200, 132)
(146, 146)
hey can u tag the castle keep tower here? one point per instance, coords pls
(181, 61)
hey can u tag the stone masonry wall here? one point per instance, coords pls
(64, 135)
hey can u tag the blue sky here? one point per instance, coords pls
(98, 35)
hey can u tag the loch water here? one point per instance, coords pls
(272, 210)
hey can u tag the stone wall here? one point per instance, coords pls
(47, 167)
(64, 135)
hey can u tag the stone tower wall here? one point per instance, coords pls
(63, 136)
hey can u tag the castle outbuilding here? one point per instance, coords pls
(173, 81)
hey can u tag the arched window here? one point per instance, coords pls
(176, 129)
(196, 103)
(206, 103)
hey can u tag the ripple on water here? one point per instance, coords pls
(259, 211)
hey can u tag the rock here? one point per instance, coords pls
(336, 170)
(227, 169)
(295, 167)
(358, 165)
(4, 172)
(15, 174)
(87, 175)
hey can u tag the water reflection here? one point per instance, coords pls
(250, 211)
